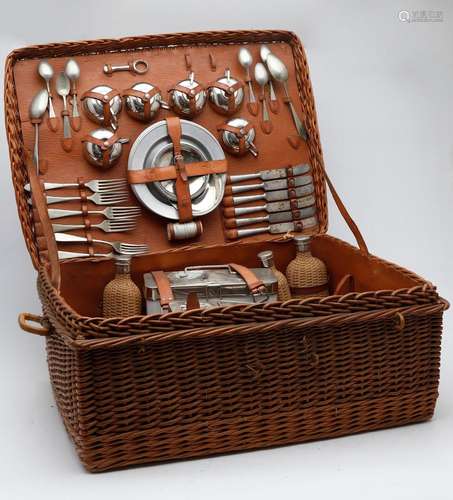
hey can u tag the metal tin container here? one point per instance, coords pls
(227, 97)
(102, 148)
(215, 286)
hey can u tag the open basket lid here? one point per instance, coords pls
(210, 50)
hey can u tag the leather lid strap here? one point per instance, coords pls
(191, 95)
(40, 204)
(169, 173)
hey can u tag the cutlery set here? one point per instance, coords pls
(287, 193)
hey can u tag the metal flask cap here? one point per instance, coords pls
(267, 258)
(302, 243)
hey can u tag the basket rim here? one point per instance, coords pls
(76, 326)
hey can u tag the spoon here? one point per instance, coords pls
(38, 107)
(262, 78)
(72, 71)
(264, 52)
(45, 71)
(279, 72)
(63, 88)
(246, 60)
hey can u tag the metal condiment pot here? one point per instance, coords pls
(188, 97)
(143, 101)
(102, 104)
(237, 136)
(102, 147)
(226, 94)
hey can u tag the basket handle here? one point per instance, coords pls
(348, 219)
(25, 318)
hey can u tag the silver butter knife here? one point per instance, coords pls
(273, 185)
(284, 227)
(272, 218)
(276, 173)
(276, 206)
(284, 194)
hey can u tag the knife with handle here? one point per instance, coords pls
(273, 185)
(267, 175)
(272, 218)
(284, 194)
(276, 206)
(284, 227)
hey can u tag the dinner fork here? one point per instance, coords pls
(109, 212)
(124, 248)
(102, 198)
(108, 226)
(96, 185)
(76, 255)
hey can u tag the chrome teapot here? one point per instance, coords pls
(143, 101)
(102, 104)
(226, 94)
(188, 97)
(237, 136)
(102, 147)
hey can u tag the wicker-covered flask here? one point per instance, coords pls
(307, 275)
(283, 291)
(122, 296)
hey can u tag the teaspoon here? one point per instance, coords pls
(38, 107)
(63, 88)
(45, 71)
(262, 78)
(279, 72)
(246, 60)
(72, 71)
(264, 52)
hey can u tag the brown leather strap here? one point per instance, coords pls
(168, 173)
(163, 286)
(348, 219)
(41, 208)
(145, 97)
(181, 185)
(254, 284)
(105, 100)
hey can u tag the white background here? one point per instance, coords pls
(384, 93)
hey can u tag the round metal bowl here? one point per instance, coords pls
(153, 149)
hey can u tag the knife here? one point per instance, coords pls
(284, 194)
(272, 218)
(276, 173)
(276, 206)
(290, 182)
(284, 227)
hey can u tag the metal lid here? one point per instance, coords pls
(302, 243)
(267, 258)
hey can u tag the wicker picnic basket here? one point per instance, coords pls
(151, 388)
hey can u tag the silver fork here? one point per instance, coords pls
(108, 226)
(103, 198)
(109, 212)
(96, 185)
(123, 248)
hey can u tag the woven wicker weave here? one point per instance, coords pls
(148, 388)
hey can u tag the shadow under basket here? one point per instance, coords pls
(152, 388)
